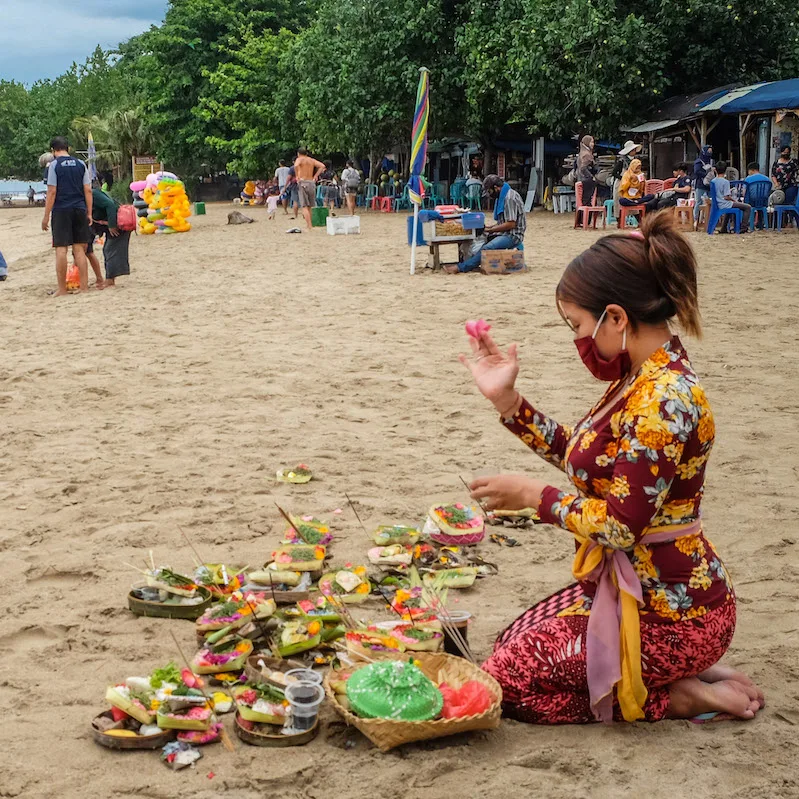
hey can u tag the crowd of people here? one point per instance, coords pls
(705, 178)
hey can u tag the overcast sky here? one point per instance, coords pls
(41, 38)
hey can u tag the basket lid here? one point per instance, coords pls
(393, 690)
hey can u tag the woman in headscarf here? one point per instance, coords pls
(586, 169)
(703, 174)
(632, 189)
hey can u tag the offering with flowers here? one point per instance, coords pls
(261, 702)
(299, 474)
(307, 530)
(229, 654)
(164, 579)
(386, 535)
(274, 575)
(463, 577)
(349, 585)
(236, 611)
(456, 524)
(300, 557)
(182, 705)
(299, 636)
(392, 555)
(135, 698)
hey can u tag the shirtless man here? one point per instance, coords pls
(307, 170)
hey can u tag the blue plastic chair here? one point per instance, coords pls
(320, 196)
(369, 193)
(717, 213)
(456, 192)
(434, 198)
(779, 210)
(757, 194)
(475, 197)
(402, 202)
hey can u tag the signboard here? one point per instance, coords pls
(501, 165)
(142, 165)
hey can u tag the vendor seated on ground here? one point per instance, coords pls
(722, 191)
(633, 187)
(510, 223)
(754, 175)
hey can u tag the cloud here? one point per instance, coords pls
(42, 39)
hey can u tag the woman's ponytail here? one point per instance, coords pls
(673, 263)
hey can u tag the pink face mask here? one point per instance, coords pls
(614, 369)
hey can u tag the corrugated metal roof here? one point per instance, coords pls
(769, 97)
(651, 127)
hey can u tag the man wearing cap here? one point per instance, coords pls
(510, 223)
(626, 154)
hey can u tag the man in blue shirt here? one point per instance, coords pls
(759, 193)
(69, 199)
(722, 191)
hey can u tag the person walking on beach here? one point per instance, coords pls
(351, 179)
(31, 195)
(307, 170)
(282, 174)
(703, 174)
(69, 199)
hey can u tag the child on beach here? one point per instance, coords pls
(272, 202)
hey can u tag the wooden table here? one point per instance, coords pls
(436, 243)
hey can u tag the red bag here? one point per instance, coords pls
(126, 217)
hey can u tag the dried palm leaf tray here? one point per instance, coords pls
(386, 734)
(254, 673)
(144, 607)
(270, 735)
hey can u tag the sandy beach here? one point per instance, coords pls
(233, 351)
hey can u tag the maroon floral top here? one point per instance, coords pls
(639, 467)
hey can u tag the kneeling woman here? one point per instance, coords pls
(117, 242)
(639, 636)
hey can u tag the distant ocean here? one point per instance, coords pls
(20, 186)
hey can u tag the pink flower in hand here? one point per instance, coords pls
(477, 327)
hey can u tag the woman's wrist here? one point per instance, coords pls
(508, 405)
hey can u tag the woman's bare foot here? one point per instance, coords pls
(691, 697)
(721, 672)
(59, 293)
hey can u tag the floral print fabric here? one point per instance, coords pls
(638, 468)
(540, 661)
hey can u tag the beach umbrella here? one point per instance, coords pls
(418, 153)
(92, 157)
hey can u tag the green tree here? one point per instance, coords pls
(14, 105)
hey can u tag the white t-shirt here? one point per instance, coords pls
(282, 175)
(350, 176)
(271, 202)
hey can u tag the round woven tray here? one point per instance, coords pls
(276, 738)
(139, 742)
(386, 734)
(143, 607)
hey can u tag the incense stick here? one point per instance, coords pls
(357, 516)
(224, 737)
(482, 508)
(191, 546)
(286, 517)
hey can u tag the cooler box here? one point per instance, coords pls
(420, 239)
(343, 225)
(473, 221)
(199, 209)
(319, 216)
(501, 262)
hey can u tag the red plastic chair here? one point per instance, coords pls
(653, 186)
(630, 210)
(386, 204)
(587, 213)
(669, 184)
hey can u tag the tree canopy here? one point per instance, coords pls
(236, 84)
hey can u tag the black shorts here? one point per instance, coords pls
(70, 226)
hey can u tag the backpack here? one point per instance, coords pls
(126, 217)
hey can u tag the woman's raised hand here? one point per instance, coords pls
(493, 371)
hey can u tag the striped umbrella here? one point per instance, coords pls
(419, 153)
(92, 157)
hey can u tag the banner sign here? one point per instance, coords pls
(143, 165)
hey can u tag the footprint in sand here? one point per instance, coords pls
(27, 639)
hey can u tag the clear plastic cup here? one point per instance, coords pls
(304, 699)
(459, 619)
(303, 675)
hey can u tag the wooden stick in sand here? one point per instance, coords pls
(286, 516)
(223, 736)
(191, 546)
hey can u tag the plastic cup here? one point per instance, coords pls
(303, 675)
(304, 698)
(459, 619)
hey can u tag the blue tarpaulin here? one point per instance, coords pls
(770, 97)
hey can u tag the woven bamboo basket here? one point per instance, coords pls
(386, 734)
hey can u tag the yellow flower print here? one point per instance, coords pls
(678, 511)
(601, 487)
(642, 563)
(673, 452)
(695, 613)
(603, 460)
(626, 445)
(577, 609)
(690, 545)
(617, 535)
(653, 432)
(590, 520)
(700, 577)
(699, 398)
(706, 427)
(587, 440)
(659, 358)
(653, 469)
(620, 487)
(687, 471)
(661, 606)
(612, 449)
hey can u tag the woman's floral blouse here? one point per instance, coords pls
(640, 466)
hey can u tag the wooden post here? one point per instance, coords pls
(702, 133)
(651, 156)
